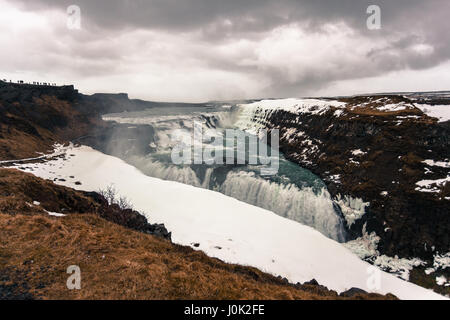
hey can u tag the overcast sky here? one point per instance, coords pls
(199, 50)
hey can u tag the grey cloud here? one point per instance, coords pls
(405, 23)
(246, 15)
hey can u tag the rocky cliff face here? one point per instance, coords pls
(377, 149)
(33, 118)
(111, 103)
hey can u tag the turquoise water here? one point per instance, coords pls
(293, 192)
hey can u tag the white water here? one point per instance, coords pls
(294, 198)
(226, 228)
(301, 205)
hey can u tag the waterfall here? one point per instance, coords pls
(149, 167)
(294, 193)
(207, 180)
(302, 205)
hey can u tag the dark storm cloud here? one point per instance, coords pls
(414, 35)
(248, 15)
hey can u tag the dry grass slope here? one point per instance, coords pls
(116, 262)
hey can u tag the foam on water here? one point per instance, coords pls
(295, 193)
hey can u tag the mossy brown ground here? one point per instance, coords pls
(32, 119)
(116, 262)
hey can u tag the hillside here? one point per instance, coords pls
(118, 259)
(113, 246)
(378, 149)
(27, 133)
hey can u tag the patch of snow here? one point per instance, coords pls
(338, 113)
(58, 149)
(442, 281)
(261, 238)
(383, 193)
(252, 116)
(292, 133)
(365, 246)
(441, 261)
(358, 152)
(36, 203)
(352, 208)
(55, 214)
(432, 185)
(429, 270)
(442, 164)
(395, 265)
(442, 112)
(336, 178)
(408, 117)
(392, 107)
(312, 106)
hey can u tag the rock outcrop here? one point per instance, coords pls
(372, 150)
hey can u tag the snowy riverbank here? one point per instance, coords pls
(225, 228)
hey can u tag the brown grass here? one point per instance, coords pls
(371, 103)
(118, 263)
(18, 190)
(35, 126)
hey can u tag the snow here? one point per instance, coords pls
(432, 185)
(293, 104)
(338, 113)
(442, 112)
(365, 246)
(358, 152)
(399, 266)
(55, 214)
(429, 271)
(442, 164)
(252, 116)
(441, 261)
(58, 149)
(311, 106)
(352, 208)
(21, 160)
(392, 107)
(336, 178)
(246, 234)
(442, 280)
